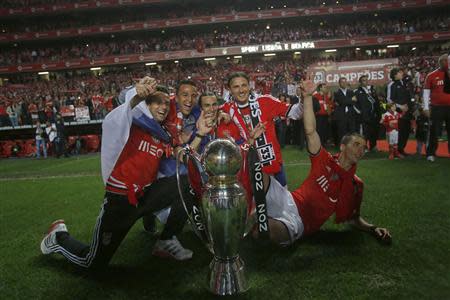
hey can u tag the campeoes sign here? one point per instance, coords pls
(330, 72)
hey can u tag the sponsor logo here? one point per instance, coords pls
(323, 183)
(332, 200)
(258, 177)
(197, 218)
(262, 218)
(151, 149)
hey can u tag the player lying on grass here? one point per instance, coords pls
(133, 144)
(330, 188)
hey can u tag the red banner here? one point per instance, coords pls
(237, 17)
(226, 51)
(66, 7)
(329, 72)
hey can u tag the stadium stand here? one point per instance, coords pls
(84, 96)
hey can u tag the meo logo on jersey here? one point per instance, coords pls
(151, 149)
(325, 185)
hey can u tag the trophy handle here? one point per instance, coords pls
(195, 217)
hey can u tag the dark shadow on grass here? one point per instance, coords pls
(134, 269)
(304, 254)
(347, 238)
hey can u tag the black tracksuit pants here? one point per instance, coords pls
(116, 218)
(404, 129)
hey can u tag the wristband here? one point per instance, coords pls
(199, 135)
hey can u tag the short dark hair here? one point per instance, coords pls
(205, 94)
(342, 78)
(394, 72)
(346, 139)
(183, 82)
(159, 88)
(237, 75)
(361, 78)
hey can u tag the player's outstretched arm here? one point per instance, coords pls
(382, 234)
(309, 119)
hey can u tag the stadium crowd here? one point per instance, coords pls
(227, 37)
(185, 8)
(29, 98)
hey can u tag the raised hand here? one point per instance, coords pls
(307, 87)
(256, 132)
(205, 123)
(146, 87)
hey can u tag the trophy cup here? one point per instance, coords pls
(221, 213)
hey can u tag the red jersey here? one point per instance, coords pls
(328, 189)
(266, 108)
(324, 102)
(435, 83)
(229, 131)
(109, 104)
(138, 164)
(388, 117)
(267, 88)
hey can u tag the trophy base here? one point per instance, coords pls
(226, 277)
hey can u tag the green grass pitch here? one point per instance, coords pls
(411, 197)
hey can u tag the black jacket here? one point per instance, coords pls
(369, 106)
(344, 104)
(401, 95)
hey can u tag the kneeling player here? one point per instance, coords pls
(133, 144)
(330, 188)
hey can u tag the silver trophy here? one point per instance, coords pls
(220, 217)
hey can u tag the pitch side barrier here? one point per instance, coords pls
(72, 128)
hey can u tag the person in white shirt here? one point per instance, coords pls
(50, 130)
(40, 141)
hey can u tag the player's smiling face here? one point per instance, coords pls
(210, 106)
(240, 89)
(160, 107)
(186, 98)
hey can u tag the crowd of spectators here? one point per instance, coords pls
(27, 98)
(28, 3)
(227, 37)
(198, 7)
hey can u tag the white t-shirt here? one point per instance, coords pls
(51, 134)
